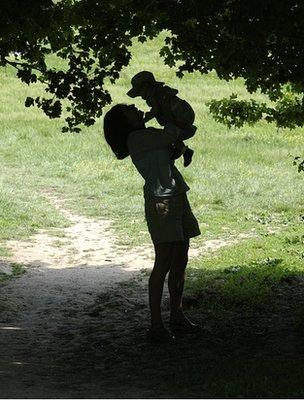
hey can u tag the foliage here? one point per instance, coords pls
(233, 112)
(259, 41)
(299, 162)
(287, 112)
(90, 37)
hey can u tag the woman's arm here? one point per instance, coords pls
(152, 138)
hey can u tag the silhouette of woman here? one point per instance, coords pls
(170, 220)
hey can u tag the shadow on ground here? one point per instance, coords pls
(99, 350)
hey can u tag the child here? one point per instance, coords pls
(165, 107)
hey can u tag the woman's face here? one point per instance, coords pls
(135, 117)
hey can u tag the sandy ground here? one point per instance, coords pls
(73, 326)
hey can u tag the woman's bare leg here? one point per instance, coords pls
(178, 321)
(163, 256)
(176, 279)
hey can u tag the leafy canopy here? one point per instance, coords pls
(260, 41)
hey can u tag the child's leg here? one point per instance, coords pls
(181, 149)
(180, 146)
(188, 154)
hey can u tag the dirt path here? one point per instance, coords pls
(66, 322)
(65, 271)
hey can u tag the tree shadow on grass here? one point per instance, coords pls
(248, 349)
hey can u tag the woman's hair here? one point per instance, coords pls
(116, 130)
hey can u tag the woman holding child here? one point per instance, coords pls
(170, 220)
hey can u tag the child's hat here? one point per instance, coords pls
(138, 80)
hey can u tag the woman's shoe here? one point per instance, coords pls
(185, 326)
(160, 336)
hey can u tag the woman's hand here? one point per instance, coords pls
(148, 116)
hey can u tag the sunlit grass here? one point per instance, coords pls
(236, 175)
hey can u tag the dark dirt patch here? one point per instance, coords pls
(99, 350)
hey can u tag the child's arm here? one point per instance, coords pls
(159, 117)
(149, 115)
(157, 111)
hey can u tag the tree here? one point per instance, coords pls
(91, 37)
(260, 41)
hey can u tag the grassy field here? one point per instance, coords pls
(242, 182)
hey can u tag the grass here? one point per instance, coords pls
(242, 181)
(253, 266)
(16, 272)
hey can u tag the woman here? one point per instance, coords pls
(170, 220)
